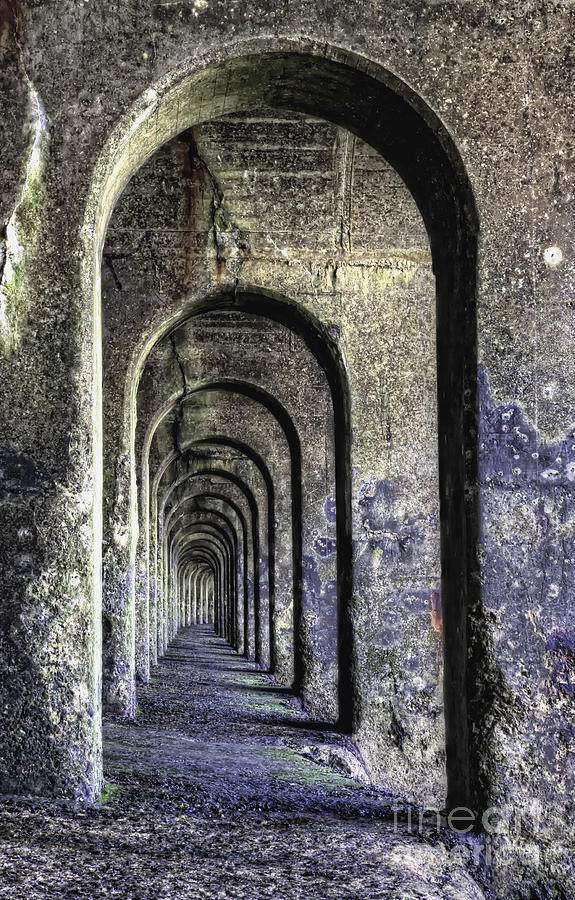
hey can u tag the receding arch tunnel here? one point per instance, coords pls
(249, 566)
(196, 436)
(338, 453)
(244, 414)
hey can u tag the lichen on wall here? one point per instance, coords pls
(17, 246)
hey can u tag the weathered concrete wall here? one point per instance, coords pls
(501, 81)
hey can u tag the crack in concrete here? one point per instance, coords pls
(295, 262)
(217, 199)
(108, 259)
(180, 364)
(230, 242)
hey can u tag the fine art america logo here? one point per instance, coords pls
(483, 829)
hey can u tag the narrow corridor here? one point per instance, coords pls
(223, 787)
(226, 739)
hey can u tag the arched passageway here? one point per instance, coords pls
(308, 219)
(288, 619)
(319, 397)
(218, 235)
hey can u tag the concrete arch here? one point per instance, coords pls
(255, 532)
(197, 566)
(243, 555)
(200, 564)
(278, 411)
(260, 518)
(194, 550)
(206, 536)
(203, 523)
(366, 99)
(281, 415)
(196, 508)
(250, 595)
(266, 515)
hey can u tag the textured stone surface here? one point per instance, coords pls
(492, 88)
(215, 792)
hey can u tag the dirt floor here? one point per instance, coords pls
(222, 787)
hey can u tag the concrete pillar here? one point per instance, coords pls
(50, 554)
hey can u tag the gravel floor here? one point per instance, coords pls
(222, 787)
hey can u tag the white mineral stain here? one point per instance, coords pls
(553, 257)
